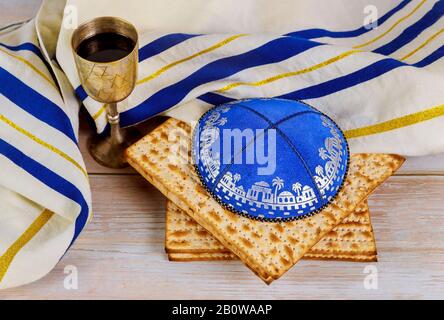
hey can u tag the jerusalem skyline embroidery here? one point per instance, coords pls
(272, 196)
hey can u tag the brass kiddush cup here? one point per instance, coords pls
(107, 69)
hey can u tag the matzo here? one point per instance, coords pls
(351, 240)
(267, 248)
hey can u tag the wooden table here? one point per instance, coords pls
(121, 253)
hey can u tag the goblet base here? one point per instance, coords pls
(108, 150)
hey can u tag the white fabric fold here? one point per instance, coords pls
(380, 84)
(45, 198)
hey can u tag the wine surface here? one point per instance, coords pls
(105, 47)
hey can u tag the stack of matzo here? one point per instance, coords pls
(352, 239)
(267, 248)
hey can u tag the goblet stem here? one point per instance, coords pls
(114, 122)
(108, 149)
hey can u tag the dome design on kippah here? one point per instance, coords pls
(270, 159)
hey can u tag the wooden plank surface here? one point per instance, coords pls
(120, 254)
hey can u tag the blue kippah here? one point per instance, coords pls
(270, 159)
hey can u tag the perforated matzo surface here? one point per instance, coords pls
(267, 248)
(352, 239)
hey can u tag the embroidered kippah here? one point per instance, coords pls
(270, 159)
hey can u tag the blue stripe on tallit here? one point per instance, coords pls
(27, 46)
(347, 81)
(50, 179)
(414, 30)
(35, 104)
(350, 80)
(274, 51)
(340, 83)
(215, 99)
(434, 56)
(320, 33)
(161, 44)
(81, 93)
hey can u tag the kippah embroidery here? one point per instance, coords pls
(272, 200)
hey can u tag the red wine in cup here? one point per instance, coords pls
(105, 47)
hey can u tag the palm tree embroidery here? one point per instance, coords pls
(222, 121)
(319, 171)
(297, 187)
(236, 177)
(278, 183)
